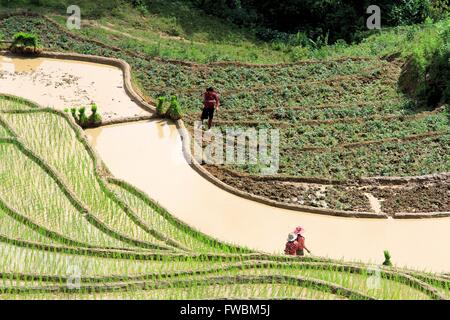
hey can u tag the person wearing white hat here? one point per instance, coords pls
(291, 245)
(295, 245)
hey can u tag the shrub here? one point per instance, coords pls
(140, 6)
(427, 73)
(174, 111)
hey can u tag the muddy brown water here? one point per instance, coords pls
(149, 155)
(66, 84)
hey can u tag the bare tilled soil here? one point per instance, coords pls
(412, 197)
(307, 194)
(427, 197)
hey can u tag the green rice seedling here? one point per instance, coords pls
(174, 111)
(161, 107)
(43, 202)
(75, 165)
(387, 258)
(73, 111)
(158, 222)
(82, 118)
(95, 118)
(25, 43)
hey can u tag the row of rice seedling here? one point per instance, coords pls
(55, 142)
(164, 226)
(196, 285)
(14, 229)
(23, 260)
(30, 191)
(12, 103)
(4, 133)
(367, 282)
(197, 292)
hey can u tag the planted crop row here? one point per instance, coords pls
(47, 138)
(418, 157)
(334, 111)
(17, 260)
(155, 73)
(60, 146)
(156, 220)
(4, 133)
(330, 135)
(237, 291)
(27, 189)
(307, 95)
(15, 229)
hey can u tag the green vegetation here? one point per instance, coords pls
(161, 108)
(125, 246)
(387, 259)
(347, 104)
(25, 43)
(174, 110)
(80, 117)
(340, 117)
(316, 20)
(95, 118)
(428, 74)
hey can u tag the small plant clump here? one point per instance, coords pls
(95, 118)
(170, 109)
(387, 259)
(174, 112)
(161, 107)
(25, 43)
(80, 117)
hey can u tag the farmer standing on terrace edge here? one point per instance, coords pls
(210, 103)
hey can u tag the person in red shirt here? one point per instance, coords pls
(210, 104)
(291, 245)
(301, 245)
(295, 245)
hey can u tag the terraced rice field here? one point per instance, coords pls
(69, 230)
(339, 120)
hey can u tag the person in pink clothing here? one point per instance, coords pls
(300, 242)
